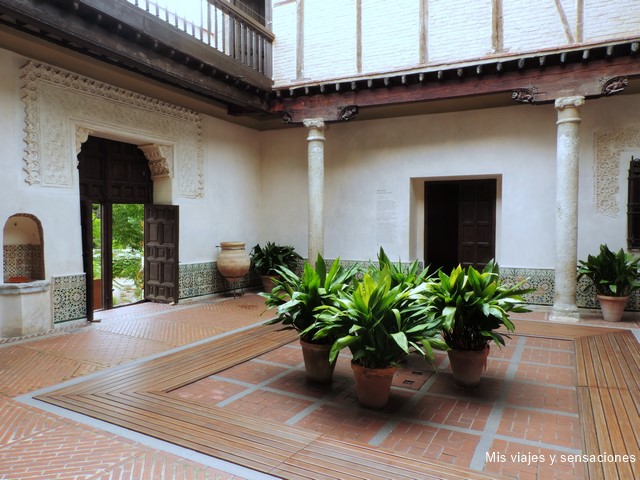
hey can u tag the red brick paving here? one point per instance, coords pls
(35, 444)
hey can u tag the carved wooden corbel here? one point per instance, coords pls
(522, 95)
(614, 85)
(348, 112)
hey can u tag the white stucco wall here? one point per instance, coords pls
(371, 162)
(617, 117)
(57, 209)
(453, 31)
(228, 209)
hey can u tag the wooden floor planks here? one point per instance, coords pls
(135, 397)
(609, 396)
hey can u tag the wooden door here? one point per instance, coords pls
(476, 227)
(459, 223)
(86, 209)
(161, 253)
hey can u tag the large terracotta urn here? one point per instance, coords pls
(233, 261)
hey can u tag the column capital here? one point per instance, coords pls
(569, 102)
(317, 123)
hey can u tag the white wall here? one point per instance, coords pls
(617, 117)
(371, 162)
(228, 210)
(454, 31)
(57, 209)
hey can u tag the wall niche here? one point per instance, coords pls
(23, 249)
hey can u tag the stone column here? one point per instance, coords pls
(567, 161)
(315, 158)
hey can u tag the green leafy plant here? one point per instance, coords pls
(411, 275)
(267, 259)
(612, 274)
(472, 305)
(298, 297)
(379, 322)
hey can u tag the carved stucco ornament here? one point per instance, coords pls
(609, 146)
(82, 135)
(60, 105)
(160, 158)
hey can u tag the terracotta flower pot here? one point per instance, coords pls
(316, 362)
(373, 385)
(612, 307)
(467, 366)
(268, 282)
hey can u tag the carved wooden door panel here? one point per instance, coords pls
(161, 253)
(476, 229)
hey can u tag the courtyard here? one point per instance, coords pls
(203, 389)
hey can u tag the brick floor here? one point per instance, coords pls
(526, 404)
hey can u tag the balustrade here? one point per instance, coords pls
(223, 26)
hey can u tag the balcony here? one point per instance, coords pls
(234, 30)
(220, 54)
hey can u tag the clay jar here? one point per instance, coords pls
(233, 261)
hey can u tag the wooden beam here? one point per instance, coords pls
(114, 48)
(544, 85)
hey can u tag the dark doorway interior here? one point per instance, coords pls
(460, 223)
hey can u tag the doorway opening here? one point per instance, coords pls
(460, 223)
(118, 242)
(130, 246)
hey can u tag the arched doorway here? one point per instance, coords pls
(129, 245)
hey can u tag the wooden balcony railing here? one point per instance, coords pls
(224, 27)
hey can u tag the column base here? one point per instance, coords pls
(565, 314)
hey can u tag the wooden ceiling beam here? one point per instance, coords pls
(107, 39)
(588, 78)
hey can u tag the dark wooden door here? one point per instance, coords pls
(87, 252)
(476, 227)
(459, 223)
(161, 253)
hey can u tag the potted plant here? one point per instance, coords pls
(297, 299)
(379, 323)
(472, 306)
(267, 259)
(410, 275)
(614, 276)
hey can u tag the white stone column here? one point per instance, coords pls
(567, 162)
(315, 158)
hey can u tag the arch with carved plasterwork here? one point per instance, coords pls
(62, 109)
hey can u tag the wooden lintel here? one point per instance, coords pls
(544, 85)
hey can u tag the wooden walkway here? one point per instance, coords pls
(136, 397)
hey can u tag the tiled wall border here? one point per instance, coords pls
(69, 298)
(197, 279)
